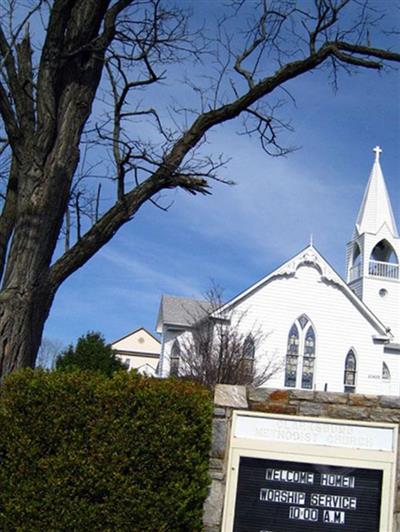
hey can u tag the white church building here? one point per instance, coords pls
(326, 333)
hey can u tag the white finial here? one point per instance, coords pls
(377, 151)
(311, 239)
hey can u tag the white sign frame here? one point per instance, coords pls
(377, 450)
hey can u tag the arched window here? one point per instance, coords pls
(384, 252)
(385, 372)
(303, 320)
(300, 355)
(355, 270)
(292, 355)
(383, 261)
(249, 350)
(350, 372)
(249, 347)
(174, 358)
(356, 254)
(307, 377)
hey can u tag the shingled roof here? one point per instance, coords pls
(180, 311)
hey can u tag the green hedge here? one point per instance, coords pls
(80, 452)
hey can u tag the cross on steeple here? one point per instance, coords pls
(377, 151)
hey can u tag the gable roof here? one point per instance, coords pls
(180, 311)
(136, 332)
(309, 256)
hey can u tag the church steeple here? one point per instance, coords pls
(375, 209)
(373, 270)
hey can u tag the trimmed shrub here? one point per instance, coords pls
(81, 452)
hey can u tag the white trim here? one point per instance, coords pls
(310, 256)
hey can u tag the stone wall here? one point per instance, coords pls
(385, 409)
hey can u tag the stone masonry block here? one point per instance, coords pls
(301, 395)
(228, 395)
(212, 511)
(385, 415)
(275, 408)
(219, 412)
(216, 464)
(348, 412)
(219, 432)
(331, 397)
(312, 409)
(258, 395)
(356, 399)
(281, 396)
(389, 401)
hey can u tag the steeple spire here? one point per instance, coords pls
(373, 254)
(376, 209)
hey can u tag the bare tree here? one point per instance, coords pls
(79, 77)
(221, 348)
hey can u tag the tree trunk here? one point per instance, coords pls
(26, 294)
(23, 314)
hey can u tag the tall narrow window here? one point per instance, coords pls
(385, 372)
(292, 355)
(249, 349)
(300, 355)
(174, 358)
(307, 377)
(350, 372)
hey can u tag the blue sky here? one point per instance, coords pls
(242, 232)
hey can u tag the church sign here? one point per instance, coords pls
(303, 474)
(290, 496)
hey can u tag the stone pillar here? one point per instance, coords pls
(226, 398)
(292, 402)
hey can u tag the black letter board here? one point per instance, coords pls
(280, 496)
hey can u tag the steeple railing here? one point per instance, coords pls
(376, 268)
(389, 270)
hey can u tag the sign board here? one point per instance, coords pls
(339, 434)
(281, 496)
(300, 474)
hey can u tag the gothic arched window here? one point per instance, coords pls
(174, 358)
(292, 355)
(384, 252)
(300, 355)
(356, 254)
(383, 261)
(350, 372)
(307, 378)
(249, 349)
(385, 372)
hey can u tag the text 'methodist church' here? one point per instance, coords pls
(330, 334)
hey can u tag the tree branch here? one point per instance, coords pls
(114, 218)
(386, 55)
(168, 176)
(9, 119)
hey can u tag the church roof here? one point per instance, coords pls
(180, 311)
(310, 256)
(375, 209)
